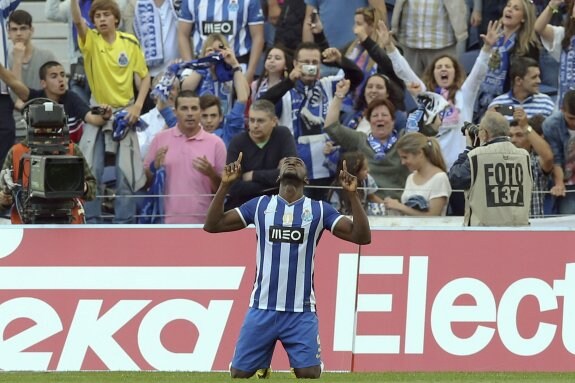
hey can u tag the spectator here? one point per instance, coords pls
(60, 11)
(496, 176)
(379, 146)
(159, 118)
(53, 84)
(193, 159)
(445, 76)
(212, 117)
(427, 188)
(426, 29)
(541, 156)
(524, 93)
(302, 221)
(337, 19)
(557, 130)
(517, 40)
(243, 28)
(205, 81)
(358, 166)
(304, 102)
(377, 86)
(277, 66)
(110, 77)
(558, 40)
(155, 24)
(25, 59)
(263, 146)
(7, 126)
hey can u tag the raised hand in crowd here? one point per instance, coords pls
(331, 56)
(384, 36)
(414, 88)
(229, 57)
(520, 116)
(494, 31)
(296, 73)
(347, 180)
(232, 171)
(18, 51)
(342, 88)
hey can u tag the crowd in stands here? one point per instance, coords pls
(185, 86)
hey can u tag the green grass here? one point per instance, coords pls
(197, 377)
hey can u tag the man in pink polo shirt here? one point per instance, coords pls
(193, 159)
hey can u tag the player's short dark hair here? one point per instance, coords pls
(44, 68)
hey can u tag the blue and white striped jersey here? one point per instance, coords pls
(231, 18)
(287, 235)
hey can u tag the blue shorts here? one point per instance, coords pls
(298, 332)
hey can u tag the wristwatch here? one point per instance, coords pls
(237, 69)
(529, 129)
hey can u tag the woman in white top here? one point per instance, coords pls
(560, 42)
(445, 76)
(428, 181)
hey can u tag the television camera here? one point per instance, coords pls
(49, 180)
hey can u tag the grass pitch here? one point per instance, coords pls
(198, 377)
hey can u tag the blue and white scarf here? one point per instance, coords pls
(153, 210)
(223, 73)
(494, 81)
(148, 30)
(381, 148)
(567, 70)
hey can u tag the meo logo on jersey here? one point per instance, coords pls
(286, 234)
(504, 184)
(223, 27)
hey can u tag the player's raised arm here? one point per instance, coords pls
(218, 221)
(356, 231)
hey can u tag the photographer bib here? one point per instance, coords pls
(501, 185)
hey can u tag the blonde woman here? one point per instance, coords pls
(517, 38)
(427, 188)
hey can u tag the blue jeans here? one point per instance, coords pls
(124, 203)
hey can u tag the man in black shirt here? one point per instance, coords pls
(263, 146)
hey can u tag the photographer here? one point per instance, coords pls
(496, 176)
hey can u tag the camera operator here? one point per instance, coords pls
(10, 181)
(496, 176)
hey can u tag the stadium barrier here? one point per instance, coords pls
(174, 297)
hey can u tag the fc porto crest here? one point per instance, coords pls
(233, 6)
(306, 215)
(123, 59)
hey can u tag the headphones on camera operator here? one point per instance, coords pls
(49, 178)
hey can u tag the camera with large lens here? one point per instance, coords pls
(54, 176)
(473, 132)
